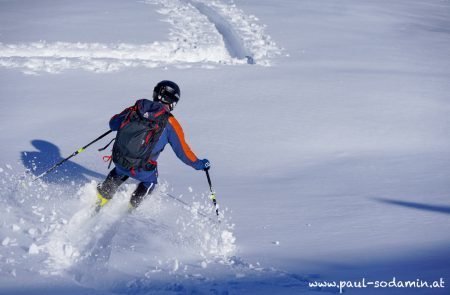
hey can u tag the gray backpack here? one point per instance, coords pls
(138, 135)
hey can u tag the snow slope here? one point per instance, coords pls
(199, 33)
(326, 123)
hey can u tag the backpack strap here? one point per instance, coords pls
(131, 112)
(106, 146)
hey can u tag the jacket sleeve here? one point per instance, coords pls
(180, 146)
(116, 120)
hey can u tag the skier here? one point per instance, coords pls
(143, 130)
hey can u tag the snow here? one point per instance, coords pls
(326, 123)
(33, 249)
(198, 34)
(6, 241)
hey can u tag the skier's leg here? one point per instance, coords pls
(107, 189)
(143, 190)
(148, 181)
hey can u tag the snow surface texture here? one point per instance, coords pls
(208, 32)
(182, 240)
(330, 163)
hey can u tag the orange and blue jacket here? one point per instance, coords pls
(173, 134)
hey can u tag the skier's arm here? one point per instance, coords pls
(180, 146)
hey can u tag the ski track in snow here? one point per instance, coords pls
(202, 32)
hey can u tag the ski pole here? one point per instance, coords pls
(188, 207)
(73, 155)
(213, 194)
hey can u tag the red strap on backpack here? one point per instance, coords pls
(132, 110)
(108, 159)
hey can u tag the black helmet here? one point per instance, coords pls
(167, 92)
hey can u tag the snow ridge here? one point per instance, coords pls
(202, 33)
(232, 41)
(245, 32)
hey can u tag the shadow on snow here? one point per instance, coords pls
(418, 206)
(47, 155)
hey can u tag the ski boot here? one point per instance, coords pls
(101, 201)
(107, 189)
(139, 195)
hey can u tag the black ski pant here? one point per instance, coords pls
(112, 182)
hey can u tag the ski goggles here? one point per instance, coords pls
(169, 96)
